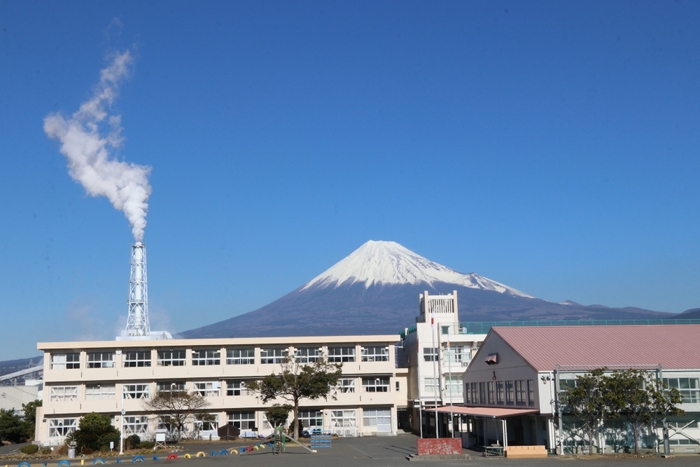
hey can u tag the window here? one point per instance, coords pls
(510, 393)
(136, 391)
(430, 354)
(97, 392)
(203, 357)
(381, 418)
(307, 354)
(378, 384)
(490, 393)
(456, 355)
(136, 358)
(453, 386)
(172, 357)
(688, 387)
(136, 425)
(344, 422)
(482, 393)
(520, 392)
(681, 441)
(473, 390)
(565, 384)
(500, 393)
(311, 418)
(346, 385)
(62, 427)
(100, 360)
(234, 387)
(341, 354)
(240, 356)
(530, 392)
(170, 386)
(444, 330)
(679, 422)
(208, 388)
(431, 386)
(243, 420)
(65, 361)
(377, 353)
(64, 393)
(206, 422)
(273, 355)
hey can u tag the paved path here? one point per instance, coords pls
(390, 451)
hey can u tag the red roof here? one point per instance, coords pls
(673, 346)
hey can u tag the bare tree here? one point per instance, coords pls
(176, 407)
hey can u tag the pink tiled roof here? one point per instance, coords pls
(673, 346)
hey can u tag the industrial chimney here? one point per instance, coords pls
(137, 325)
(137, 321)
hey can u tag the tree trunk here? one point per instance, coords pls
(591, 433)
(635, 427)
(296, 418)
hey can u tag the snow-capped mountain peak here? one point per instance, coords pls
(385, 262)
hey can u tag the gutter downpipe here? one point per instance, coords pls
(560, 440)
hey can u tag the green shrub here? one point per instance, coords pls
(46, 451)
(29, 449)
(109, 438)
(146, 445)
(132, 441)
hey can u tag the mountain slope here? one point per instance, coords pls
(375, 290)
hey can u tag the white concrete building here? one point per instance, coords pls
(109, 377)
(436, 351)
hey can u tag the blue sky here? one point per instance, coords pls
(550, 146)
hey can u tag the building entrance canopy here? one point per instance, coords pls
(489, 412)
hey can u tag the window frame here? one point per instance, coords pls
(172, 357)
(273, 355)
(207, 388)
(341, 354)
(100, 392)
(133, 391)
(374, 353)
(206, 357)
(307, 354)
(70, 361)
(105, 360)
(240, 417)
(376, 384)
(235, 356)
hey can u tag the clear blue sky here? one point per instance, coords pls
(551, 146)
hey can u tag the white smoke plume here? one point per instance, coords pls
(88, 139)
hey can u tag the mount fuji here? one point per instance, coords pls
(375, 290)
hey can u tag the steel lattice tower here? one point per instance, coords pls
(137, 321)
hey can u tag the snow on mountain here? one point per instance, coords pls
(382, 262)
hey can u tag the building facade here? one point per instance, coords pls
(512, 388)
(436, 352)
(115, 378)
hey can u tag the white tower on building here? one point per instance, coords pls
(137, 325)
(137, 321)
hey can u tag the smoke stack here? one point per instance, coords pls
(137, 321)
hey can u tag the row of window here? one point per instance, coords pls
(232, 387)
(688, 387)
(245, 420)
(235, 356)
(456, 354)
(453, 386)
(519, 392)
